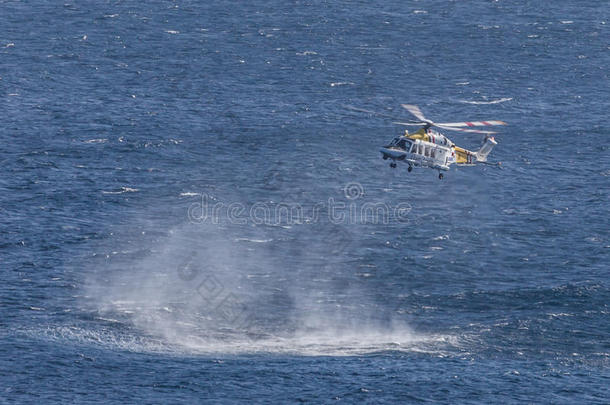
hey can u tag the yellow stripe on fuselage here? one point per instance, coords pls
(463, 155)
(419, 134)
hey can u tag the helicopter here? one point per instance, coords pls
(428, 148)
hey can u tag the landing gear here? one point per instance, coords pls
(440, 176)
(385, 157)
(410, 169)
(393, 165)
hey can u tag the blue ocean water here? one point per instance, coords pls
(192, 210)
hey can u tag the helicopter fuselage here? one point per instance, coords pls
(429, 148)
(420, 153)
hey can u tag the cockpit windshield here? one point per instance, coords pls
(404, 144)
(401, 142)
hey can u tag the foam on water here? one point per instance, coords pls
(122, 191)
(327, 343)
(98, 338)
(332, 342)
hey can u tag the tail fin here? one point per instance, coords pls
(482, 153)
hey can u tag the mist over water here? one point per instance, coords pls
(292, 284)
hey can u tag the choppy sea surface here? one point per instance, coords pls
(193, 207)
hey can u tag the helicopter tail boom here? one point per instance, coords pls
(482, 153)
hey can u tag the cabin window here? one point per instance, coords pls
(420, 149)
(402, 144)
(427, 151)
(433, 153)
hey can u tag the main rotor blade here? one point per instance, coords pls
(476, 131)
(415, 124)
(413, 109)
(471, 123)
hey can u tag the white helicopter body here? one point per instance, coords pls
(431, 149)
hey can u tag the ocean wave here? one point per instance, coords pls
(122, 190)
(498, 101)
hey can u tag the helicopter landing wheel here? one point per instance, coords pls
(393, 165)
(440, 176)
(385, 157)
(410, 169)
